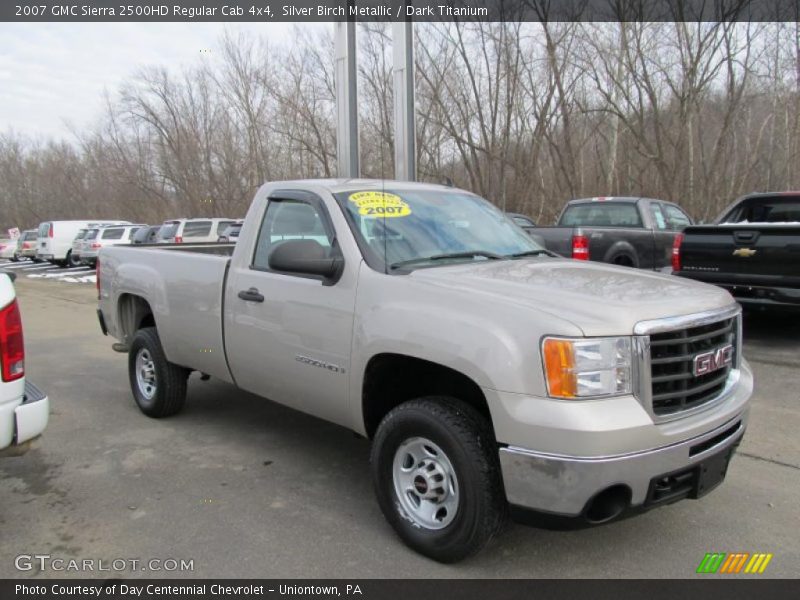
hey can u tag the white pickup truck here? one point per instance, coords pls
(24, 409)
(492, 376)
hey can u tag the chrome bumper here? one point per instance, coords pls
(564, 485)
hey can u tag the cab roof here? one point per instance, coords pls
(337, 186)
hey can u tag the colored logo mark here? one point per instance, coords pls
(734, 562)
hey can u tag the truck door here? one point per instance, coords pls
(288, 336)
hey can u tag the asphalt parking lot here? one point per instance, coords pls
(247, 488)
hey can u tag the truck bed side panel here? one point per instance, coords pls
(184, 290)
(557, 239)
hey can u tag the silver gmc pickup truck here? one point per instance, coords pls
(493, 377)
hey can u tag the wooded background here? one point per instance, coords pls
(525, 114)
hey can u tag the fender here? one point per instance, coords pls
(497, 348)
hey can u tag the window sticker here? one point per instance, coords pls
(379, 204)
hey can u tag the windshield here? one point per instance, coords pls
(601, 214)
(427, 228)
(168, 231)
(765, 210)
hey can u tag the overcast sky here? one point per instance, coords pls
(53, 73)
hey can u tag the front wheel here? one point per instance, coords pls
(159, 386)
(437, 477)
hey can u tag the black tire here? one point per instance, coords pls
(468, 442)
(169, 385)
(72, 262)
(15, 257)
(623, 261)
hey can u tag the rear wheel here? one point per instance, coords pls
(623, 261)
(437, 477)
(15, 257)
(72, 261)
(158, 386)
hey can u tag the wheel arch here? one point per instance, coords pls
(622, 250)
(391, 379)
(133, 313)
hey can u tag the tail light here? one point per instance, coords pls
(676, 252)
(12, 348)
(95, 246)
(50, 231)
(26, 245)
(178, 239)
(580, 247)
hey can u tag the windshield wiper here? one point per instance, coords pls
(538, 252)
(468, 254)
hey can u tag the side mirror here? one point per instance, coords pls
(306, 257)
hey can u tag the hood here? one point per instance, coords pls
(597, 298)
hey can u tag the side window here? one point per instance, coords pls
(221, 226)
(113, 234)
(676, 218)
(196, 229)
(132, 232)
(288, 220)
(658, 217)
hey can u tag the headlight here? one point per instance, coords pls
(587, 368)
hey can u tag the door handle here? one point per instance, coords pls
(251, 295)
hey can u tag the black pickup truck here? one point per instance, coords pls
(634, 232)
(753, 250)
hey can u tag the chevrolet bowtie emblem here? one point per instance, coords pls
(744, 252)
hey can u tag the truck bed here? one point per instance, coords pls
(183, 284)
(758, 263)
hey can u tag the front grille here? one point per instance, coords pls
(675, 387)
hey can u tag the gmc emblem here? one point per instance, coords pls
(711, 361)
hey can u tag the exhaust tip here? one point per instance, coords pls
(608, 504)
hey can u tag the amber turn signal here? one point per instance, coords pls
(559, 363)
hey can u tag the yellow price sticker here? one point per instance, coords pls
(379, 204)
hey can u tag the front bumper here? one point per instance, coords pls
(585, 448)
(25, 421)
(565, 485)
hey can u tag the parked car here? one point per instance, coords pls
(54, 241)
(24, 409)
(147, 234)
(528, 226)
(230, 233)
(523, 221)
(632, 232)
(7, 249)
(178, 231)
(751, 250)
(488, 373)
(77, 247)
(102, 237)
(26, 245)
